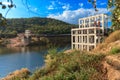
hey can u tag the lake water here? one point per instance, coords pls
(12, 59)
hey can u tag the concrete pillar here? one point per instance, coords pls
(84, 23)
(102, 24)
(78, 39)
(72, 39)
(81, 39)
(95, 36)
(87, 47)
(89, 22)
(88, 40)
(106, 22)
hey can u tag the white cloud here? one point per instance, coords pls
(58, 5)
(50, 7)
(66, 6)
(102, 3)
(72, 16)
(81, 4)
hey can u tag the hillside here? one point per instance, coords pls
(39, 25)
(36, 25)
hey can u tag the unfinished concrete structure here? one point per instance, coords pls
(90, 32)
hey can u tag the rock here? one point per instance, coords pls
(112, 67)
(69, 51)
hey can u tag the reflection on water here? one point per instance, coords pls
(17, 58)
(4, 50)
(12, 59)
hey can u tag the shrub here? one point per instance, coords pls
(52, 51)
(115, 50)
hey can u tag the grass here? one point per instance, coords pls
(113, 37)
(110, 41)
(74, 66)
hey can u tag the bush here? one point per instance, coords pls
(115, 50)
(52, 51)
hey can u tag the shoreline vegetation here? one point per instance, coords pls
(80, 65)
(37, 41)
(37, 26)
(70, 65)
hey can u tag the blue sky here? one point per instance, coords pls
(66, 10)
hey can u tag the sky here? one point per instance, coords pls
(66, 10)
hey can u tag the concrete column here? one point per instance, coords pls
(89, 22)
(88, 40)
(87, 47)
(103, 24)
(84, 23)
(76, 38)
(72, 39)
(106, 22)
(98, 39)
(95, 36)
(81, 39)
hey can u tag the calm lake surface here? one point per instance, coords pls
(12, 59)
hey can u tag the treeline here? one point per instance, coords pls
(36, 25)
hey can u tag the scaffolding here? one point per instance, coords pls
(90, 32)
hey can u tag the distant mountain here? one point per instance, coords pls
(39, 25)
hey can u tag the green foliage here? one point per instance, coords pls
(73, 66)
(115, 5)
(3, 6)
(115, 50)
(52, 51)
(38, 26)
(2, 20)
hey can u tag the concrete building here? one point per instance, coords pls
(28, 33)
(90, 32)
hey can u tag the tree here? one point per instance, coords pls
(4, 6)
(2, 20)
(115, 4)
